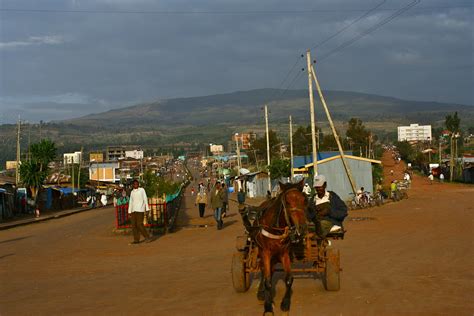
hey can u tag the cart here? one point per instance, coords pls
(316, 255)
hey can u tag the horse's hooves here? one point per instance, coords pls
(261, 296)
(285, 306)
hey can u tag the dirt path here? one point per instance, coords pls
(413, 257)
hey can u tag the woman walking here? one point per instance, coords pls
(201, 201)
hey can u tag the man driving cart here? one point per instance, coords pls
(325, 209)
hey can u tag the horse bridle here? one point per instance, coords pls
(290, 228)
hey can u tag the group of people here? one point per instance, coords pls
(218, 200)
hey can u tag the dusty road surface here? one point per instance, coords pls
(414, 257)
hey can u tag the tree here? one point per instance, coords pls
(280, 168)
(43, 153)
(452, 123)
(259, 145)
(34, 171)
(302, 141)
(405, 150)
(31, 176)
(358, 135)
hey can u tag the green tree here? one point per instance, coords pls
(43, 153)
(452, 123)
(280, 168)
(34, 171)
(357, 134)
(302, 141)
(405, 150)
(259, 145)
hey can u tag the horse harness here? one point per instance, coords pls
(289, 231)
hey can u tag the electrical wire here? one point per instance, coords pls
(370, 30)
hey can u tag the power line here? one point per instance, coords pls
(229, 12)
(349, 25)
(370, 30)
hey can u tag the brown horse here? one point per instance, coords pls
(281, 223)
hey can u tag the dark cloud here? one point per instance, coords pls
(118, 59)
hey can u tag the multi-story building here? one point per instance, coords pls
(414, 133)
(96, 156)
(72, 158)
(135, 154)
(216, 149)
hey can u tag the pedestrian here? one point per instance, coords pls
(217, 202)
(441, 177)
(391, 172)
(241, 197)
(103, 199)
(137, 207)
(431, 178)
(225, 200)
(192, 191)
(201, 201)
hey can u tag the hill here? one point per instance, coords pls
(178, 122)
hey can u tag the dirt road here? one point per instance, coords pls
(413, 257)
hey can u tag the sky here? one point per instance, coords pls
(67, 58)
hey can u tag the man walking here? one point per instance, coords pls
(217, 202)
(137, 207)
(225, 204)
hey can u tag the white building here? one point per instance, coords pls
(216, 149)
(70, 158)
(135, 154)
(414, 133)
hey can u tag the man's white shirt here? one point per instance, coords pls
(138, 201)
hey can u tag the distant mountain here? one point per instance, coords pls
(243, 107)
(175, 123)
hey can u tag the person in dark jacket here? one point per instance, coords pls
(326, 209)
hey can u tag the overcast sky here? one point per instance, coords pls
(93, 55)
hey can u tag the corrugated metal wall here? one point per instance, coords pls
(337, 179)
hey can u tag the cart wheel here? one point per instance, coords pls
(331, 277)
(240, 278)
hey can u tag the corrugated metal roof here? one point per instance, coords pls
(300, 161)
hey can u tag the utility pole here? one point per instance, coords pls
(439, 150)
(268, 149)
(334, 132)
(292, 173)
(451, 159)
(311, 109)
(18, 153)
(238, 153)
(79, 172)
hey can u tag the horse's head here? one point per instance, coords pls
(295, 203)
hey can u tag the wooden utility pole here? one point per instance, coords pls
(439, 150)
(292, 173)
(238, 153)
(268, 149)
(311, 110)
(18, 153)
(79, 172)
(451, 159)
(334, 132)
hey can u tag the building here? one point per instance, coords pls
(216, 149)
(244, 140)
(337, 180)
(10, 165)
(72, 158)
(96, 156)
(414, 133)
(104, 172)
(114, 153)
(135, 154)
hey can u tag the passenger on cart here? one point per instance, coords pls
(326, 209)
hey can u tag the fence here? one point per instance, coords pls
(162, 216)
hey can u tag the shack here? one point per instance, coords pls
(336, 176)
(254, 183)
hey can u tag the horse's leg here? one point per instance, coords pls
(286, 262)
(267, 283)
(261, 288)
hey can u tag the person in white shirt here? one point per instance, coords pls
(441, 177)
(137, 207)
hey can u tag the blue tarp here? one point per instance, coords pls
(301, 161)
(3, 190)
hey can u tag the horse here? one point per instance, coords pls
(282, 222)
